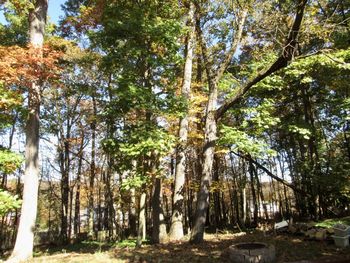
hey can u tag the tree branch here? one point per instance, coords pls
(281, 62)
(291, 186)
(236, 40)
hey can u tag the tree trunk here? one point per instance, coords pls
(78, 185)
(25, 237)
(92, 169)
(141, 233)
(159, 234)
(254, 196)
(208, 155)
(132, 213)
(216, 195)
(64, 193)
(214, 77)
(176, 229)
(70, 217)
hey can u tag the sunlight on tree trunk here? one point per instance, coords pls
(25, 237)
(141, 233)
(176, 229)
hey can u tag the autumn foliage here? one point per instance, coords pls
(22, 66)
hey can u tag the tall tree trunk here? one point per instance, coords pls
(70, 217)
(78, 185)
(208, 156)
(216, 195)
(176, 229)
(254, 196)
(25, 237)
(210, 133)
(132, 213)
(141, 233)
(76, 228)
(110, 211)
(64, 164)
(133, 205)
(92, 169)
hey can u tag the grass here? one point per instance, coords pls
(328, 223)
(127, 243)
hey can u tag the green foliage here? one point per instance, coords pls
(135, 182)
(9, 161)
(241, 141)
(260, 117)
(329, 223)
(146, 140)
(15, 31)
(127, 243)
(305, 133)
(10, 101)
(8, 202)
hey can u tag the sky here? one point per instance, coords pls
(54, 11)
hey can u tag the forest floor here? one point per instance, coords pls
(289, 248)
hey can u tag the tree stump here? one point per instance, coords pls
(252, 253)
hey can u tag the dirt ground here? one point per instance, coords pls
(214, 249)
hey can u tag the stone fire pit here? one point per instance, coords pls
(253, 252)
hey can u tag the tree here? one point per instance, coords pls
(25, 237)
(213, 114)
(176, 229)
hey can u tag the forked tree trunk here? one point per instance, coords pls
(25, 237)
(210, 133)
(176, 229)
(213, 115)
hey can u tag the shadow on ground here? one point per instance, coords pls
(214, 249)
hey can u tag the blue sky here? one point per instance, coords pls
(54, 11)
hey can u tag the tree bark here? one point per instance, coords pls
(211, 127)
(25, 237)
(77, 194)
(64, 167)
(176, 229)
(92, 168)
(208, 156)
(254, 195)
(132, 213)
(159, 234)
(141, 233)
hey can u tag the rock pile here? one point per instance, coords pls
(309, 230)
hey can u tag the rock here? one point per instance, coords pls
(252, 253)
(311, 225)
(311, 233)
(102, 235)
(330, 231)
(303, 226)
(321, 234)
(292, 229)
